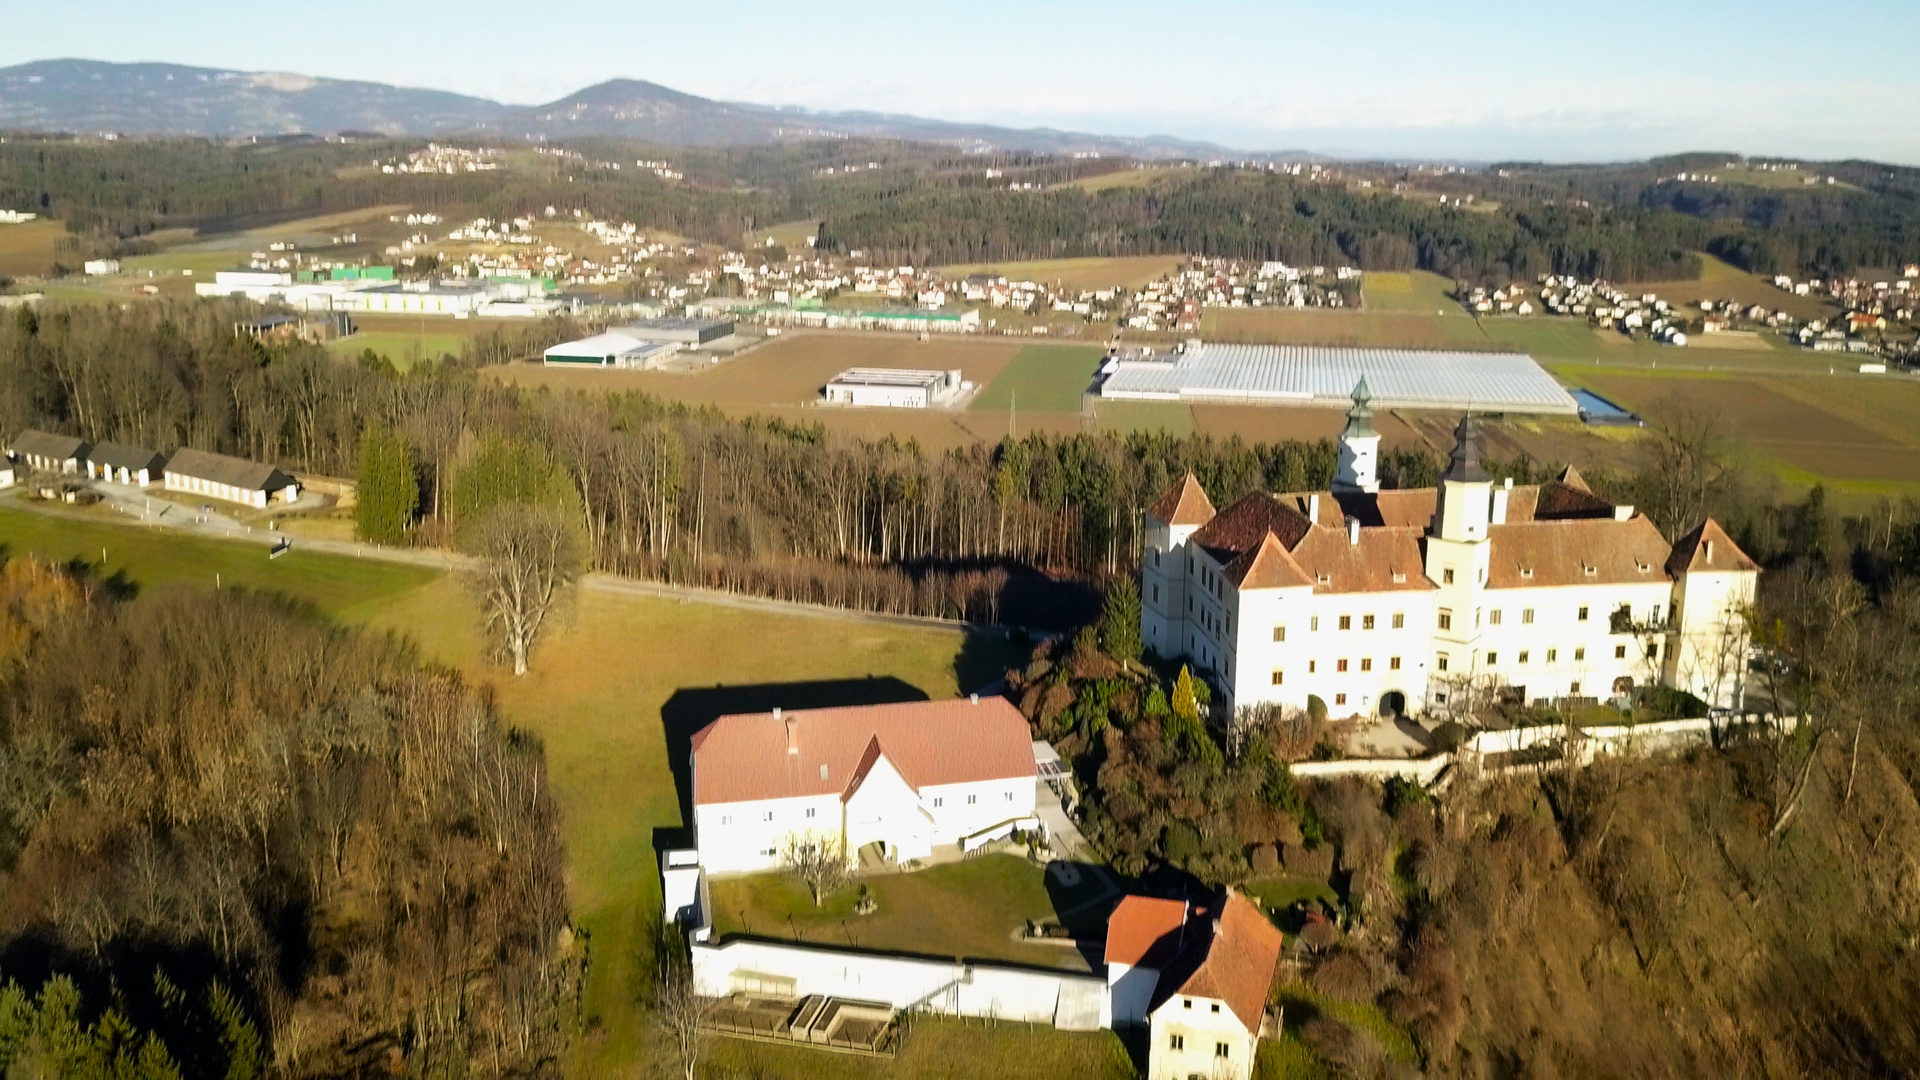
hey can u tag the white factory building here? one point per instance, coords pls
(487, 297)
(613, 349)
(1438, 599)
(896, 388)
(1312, 375)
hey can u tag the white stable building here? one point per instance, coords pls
(231, 479)
(901, 780)
(1438, 599)
(44, 451)
(894, 388)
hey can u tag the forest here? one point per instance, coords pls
(928, 205)
(327, 860)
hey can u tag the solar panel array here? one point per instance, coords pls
(1306, 374)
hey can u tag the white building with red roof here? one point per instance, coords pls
(1394, 602)
(1197, 975)
(902, 780)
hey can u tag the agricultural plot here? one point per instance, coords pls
(1721, 281)
(1416, 292)
(1334, 326)
(1125, 272)
(31, 248)
(1126, 178)
(1042, 378)
(1853, 434)
(1122, 417)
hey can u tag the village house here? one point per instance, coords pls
(46, 452)
(893, 782)
(122, 464)
(1198, 976)
(232, 479)
(1394, 602)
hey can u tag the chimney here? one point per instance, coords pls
(1501, 497)
(1623, 513)
(793, 742)
(975, 698)
(1313, 508)
(1219, 929)
(1353, 530)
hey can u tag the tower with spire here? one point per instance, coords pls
(1359, 466)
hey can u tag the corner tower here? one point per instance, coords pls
(1359, 466)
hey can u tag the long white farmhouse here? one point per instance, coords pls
(1435, 600)
(903, 779)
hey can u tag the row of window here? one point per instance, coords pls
(938, 801)
(1367, 622)
(1553, 656)
(1179, 1042)
(1313, 667)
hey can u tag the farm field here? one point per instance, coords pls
(1124, 178)
(30, 248)
(1042, 378)
(1416, 292)
(789, 370)
(968, 909)
(1857, 437)
(621, 681)
(1123, 417)
(791, 235)
(1719, 280)
(407, 341)
(1570, 341)
(1338, 326)
(1128, 271)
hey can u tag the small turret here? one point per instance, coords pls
(1466, 491)
(1359, 463)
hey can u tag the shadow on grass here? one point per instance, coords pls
(693, 708)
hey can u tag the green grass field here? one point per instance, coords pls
(1042, 378)
(1126, 178)
(1128, 271)
(1172, 417)
(1417, 292)
(404, 348)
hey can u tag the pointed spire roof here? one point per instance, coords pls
(1571, 477)
(1360, 417)
(1708, 549)
(1185, 503)
(1465, 464)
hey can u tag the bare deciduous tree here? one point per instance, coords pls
(679, 1011)
(817, 861)
(1685, 467)
(528, 556)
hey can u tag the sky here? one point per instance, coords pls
(1388, 78)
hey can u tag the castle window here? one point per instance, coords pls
(1220, 1049)
(1346, 622)
(1279, 633)
(1366, 663)
(1552, 655)
(1178, 1042)
(1494, 617)
(1440, 663)
(1340, 665)
(1366, 622)
(1523, 655)
(1446, 619)
(1619, 652)
(1339, 699)
(1399, 620)
(1446, 576)
(1653, 651)
(1583, 613)
(1526, 616)
(1575, 688)
(1314, 625)
(1393, 663)
(1279, 677)
(1312, 666)
(1156, 594)
(1492, 658)
(1580, 653)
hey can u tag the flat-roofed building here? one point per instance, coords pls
(895, 388)
(45, 451)
(1312, 375)
(613, 349)
(122, 464)
(232, 479)
(689, 333)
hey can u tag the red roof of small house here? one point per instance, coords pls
(745, 757)
(1233, 960)
(1143, 927)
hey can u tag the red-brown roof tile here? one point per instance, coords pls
(744, 757)
(1560, 553)
(1708, 548)
(1185, 503)
(1240, 956)
(1145, 929)
(1240, 527)
(1267, 566)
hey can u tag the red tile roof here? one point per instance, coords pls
(1231, 961)
(745, 757)
(1708, 549)
(1185, 503)
(1142, 927)
(1560, 553)
(1240, 527)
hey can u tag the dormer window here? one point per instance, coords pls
(1399, 577)
(1642, 567)
(1590, 570)
(1526, 572)
(1326, 579)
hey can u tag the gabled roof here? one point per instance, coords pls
(1185, 503)
(1560, 552)
(1267, 566)
(231, 471)
(1708, 549)
(1145, 930)
(121, 456)
(1240, 527)
(1230, 959)
(744, 757)
(1368, 566)
(48, 445)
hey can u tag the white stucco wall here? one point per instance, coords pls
(1200, 1030)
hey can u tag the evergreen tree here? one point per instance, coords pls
(239, 1039)
(389, 491)
(1120, 622)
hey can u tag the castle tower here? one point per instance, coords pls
(1466, 491)
(1359, 467)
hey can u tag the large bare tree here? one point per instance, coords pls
(1685, 466)
(817, 861)
(526, 558)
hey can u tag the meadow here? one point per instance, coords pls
(1124, 178)
(1042, 378)
(1417, 291)
(30, 249)
(1719, 280)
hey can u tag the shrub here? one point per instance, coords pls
(1182, 843)
(1265, 860)
(1449, 737)
(1316, 709)
(1344, 976)
(1308, 862)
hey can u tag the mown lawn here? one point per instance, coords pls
(1042, 378)
(968, 909)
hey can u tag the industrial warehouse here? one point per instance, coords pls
(643, 345)
(897, 388)
(1309, 375)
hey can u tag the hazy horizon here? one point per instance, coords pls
(1401, 79)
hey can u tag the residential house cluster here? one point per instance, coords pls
(444, 159)
(1174, 301)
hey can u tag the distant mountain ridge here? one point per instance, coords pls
(86, 96)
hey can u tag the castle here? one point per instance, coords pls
(1439, 600)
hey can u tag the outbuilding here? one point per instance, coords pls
(898, 388)
(232, 479)
(613, 349)
(47, 452)
(122, 464)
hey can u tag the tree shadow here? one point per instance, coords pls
(693, 708)
(986, 655)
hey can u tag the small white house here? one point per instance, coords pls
(901, 780)
(44, 451)
(101, 267)
(1198, 976)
